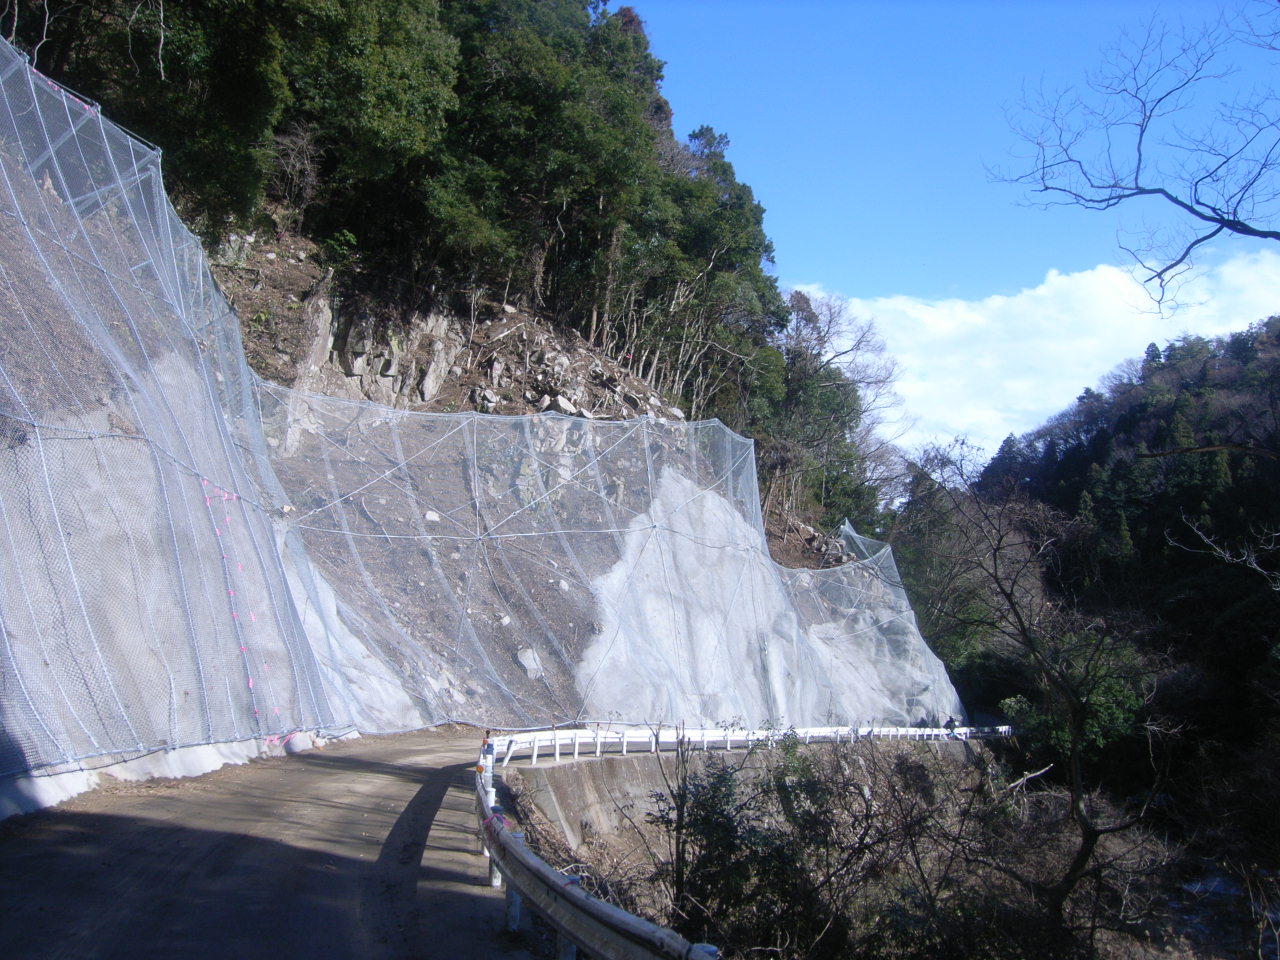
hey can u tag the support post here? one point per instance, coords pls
(495, 875)
(514, 900)
(566, 949)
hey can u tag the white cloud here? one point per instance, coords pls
(1005, 364)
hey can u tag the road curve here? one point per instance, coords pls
(365, 849)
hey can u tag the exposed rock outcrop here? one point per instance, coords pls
(505, 361)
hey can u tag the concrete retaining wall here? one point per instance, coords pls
(598, 796)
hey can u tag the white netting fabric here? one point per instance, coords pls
(191, 555)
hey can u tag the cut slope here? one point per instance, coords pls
(195, 556)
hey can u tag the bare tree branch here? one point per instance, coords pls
(1264, 543)
(1162, 120)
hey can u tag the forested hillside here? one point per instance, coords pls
(1149, 511)
(455, 155)
(1175, 465)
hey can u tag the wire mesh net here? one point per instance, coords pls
(192, 555)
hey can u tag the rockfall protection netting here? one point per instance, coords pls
(190, 555)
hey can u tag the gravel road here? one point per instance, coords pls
(363, 849)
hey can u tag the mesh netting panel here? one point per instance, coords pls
(142, 600)
(194, 556)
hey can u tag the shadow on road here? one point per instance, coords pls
(100, 886)
(302, 877)
(394, 882)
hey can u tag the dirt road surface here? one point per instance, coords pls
(365, 849)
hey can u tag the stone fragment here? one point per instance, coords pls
(531, 662)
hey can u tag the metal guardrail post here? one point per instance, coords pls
(566, 949)
(495, 875)
(514, 901)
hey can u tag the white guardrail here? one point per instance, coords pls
(586, 922)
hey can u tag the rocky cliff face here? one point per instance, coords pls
(502, 360)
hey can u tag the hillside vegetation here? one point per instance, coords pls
(1108, 582)
(1168, 474)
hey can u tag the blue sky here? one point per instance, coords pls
(867, 129)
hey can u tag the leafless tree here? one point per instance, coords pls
(296, 177)
(1164, 118)
(829, 349)
(1250, 554)
(1007, 551)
